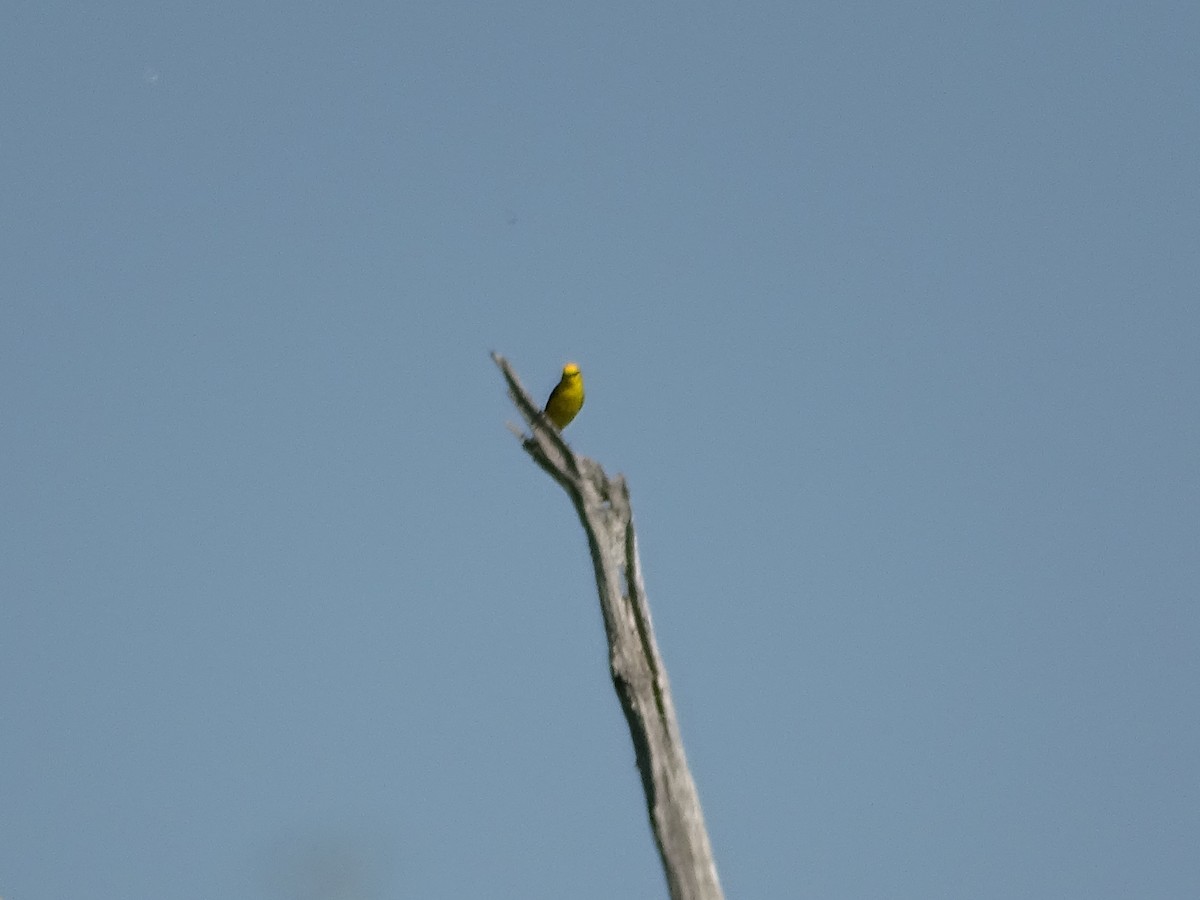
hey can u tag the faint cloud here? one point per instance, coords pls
(330, 866)
(151, 75)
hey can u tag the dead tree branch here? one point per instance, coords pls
(637, 669)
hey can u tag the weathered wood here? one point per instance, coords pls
(637, 669)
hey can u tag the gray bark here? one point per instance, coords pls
(637, 669)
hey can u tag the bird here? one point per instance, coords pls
(567, 397)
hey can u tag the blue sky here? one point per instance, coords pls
(888, 312)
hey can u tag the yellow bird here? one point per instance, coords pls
(567, 397)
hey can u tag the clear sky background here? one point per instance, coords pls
(890, 313)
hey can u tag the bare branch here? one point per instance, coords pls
(637, 669)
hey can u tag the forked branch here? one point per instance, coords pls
(637, 669)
